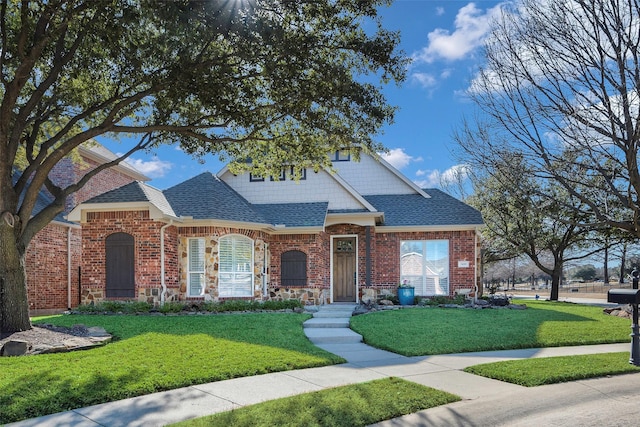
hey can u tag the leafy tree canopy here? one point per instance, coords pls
(277, 81)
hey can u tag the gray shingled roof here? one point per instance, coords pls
(43, 200)
(295, 214)
(205, 196)
(415, 210)
(135, 192)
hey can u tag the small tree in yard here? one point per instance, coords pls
(277, 81)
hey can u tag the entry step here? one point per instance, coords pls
(332, 335)
(327, 322)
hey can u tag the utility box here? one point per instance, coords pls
(624, 296)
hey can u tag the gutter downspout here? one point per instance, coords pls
(163, 294)
(69, 268)
(475, 265)
(265, 271)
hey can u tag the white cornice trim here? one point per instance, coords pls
(268, 228)
(420, 228)
(66, 224)
(358, 218)
(79, 213)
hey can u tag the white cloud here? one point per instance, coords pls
(439, 11)
(471, 27)
(437, 179)
(398, 158)
(154, 168)
(424, 79)
(454, 174)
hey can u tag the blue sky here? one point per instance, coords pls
(444, 39)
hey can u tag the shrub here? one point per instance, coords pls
(443, 299)
(171, 307)
(128, 307)
(132, 307)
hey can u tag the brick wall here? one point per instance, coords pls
(146, 234)
(46, 263)
(384, 252)
(68, 172)
(46, 257)
(461, 247)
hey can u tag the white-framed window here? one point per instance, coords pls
(196, 273)
(424, 264)
(235, 275)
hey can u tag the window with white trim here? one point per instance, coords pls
(235, 275)
(424, 264)
(196, 268)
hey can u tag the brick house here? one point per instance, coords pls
(327, 237)
(53, 258)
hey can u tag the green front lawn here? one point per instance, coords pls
(348, 406)
(551, 370)
(154, 353)
(421, 331)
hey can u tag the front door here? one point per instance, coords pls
(344, 269)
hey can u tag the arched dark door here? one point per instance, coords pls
(120, 266)
(293, 268)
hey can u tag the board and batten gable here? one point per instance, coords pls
(316, 187)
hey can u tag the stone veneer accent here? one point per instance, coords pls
(211, 236)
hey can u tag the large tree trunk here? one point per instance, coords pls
(623, 261)
(14, 308)
(556, 278)
(606, 264)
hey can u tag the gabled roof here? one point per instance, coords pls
(205, 196)
(134, 192)
(215, 199)
(414, 210)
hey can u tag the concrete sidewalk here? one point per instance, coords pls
(365, 363)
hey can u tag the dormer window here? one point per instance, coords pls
(281, 177)
(255, 178)
(341, 156)
(287, 172)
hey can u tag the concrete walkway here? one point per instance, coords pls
(365, 363)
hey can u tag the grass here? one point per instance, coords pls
(154, 353)
(352, 405)
(423, 331)
(551, 370)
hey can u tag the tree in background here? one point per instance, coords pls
(519, 219)
(560, 88)
(585, 273)
(277, 81)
